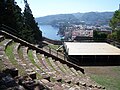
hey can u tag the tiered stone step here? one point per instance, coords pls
(64, 69)
(1, 38)
(61, 74)
(68, 70)
(58, 74)
(24, 64)
(83, 79)
(42, 63)
(51, 71)
(52, 85)
(29, 63)
(21, 64)
(37, 62)
(77, 78)
(70, 78)
(45, 65)
(3, 56)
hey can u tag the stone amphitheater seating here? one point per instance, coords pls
(41, 72)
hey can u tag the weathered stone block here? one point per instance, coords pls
(32, 75)
(13, 72)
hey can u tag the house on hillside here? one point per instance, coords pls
(81, 35)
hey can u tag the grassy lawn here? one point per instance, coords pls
(9, 53)
(53, 46)
(30, 55)
(111, 83)
(106, 76)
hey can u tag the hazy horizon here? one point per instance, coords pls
(73, 13)
(52, 7)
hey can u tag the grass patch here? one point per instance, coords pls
(107, 76)
(61, 69)
(111, 83)
(48, 61)
(54, 46)
(39, 58)
(31, 57)
(9, 53)
(38, 76)
(116, 69)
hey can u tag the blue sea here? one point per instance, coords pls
(50, 32)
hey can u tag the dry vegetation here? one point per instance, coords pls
(108, 76)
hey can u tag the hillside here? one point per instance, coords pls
(92, 18)
(55, 18)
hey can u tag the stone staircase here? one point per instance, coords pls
(38, 71)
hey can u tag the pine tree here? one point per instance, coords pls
(10, 14)
(2, 9)
(115, 21)
(23, 24)
(115, 25)
(31, 24)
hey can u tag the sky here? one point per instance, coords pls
(49, 7)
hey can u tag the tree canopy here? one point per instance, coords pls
(115, 25)
(23, 23)
(115, 21)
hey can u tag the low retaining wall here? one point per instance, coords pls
(55, 42)
(95, 60)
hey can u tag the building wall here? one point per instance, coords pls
(95, 60)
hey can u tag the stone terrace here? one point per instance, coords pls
(37, 71)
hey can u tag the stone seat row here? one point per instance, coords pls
(46, 67)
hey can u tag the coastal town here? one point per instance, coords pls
(85, 57)
(73, 32)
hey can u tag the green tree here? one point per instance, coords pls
(2, 9)
(115, 25)
(32, 26)
(112, 36)
(10, 14)
(97, 35)
(118, 34)
(115, 21)
(23, 24)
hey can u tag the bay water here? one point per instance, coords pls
(50, 32)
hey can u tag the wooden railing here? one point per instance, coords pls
(48, 52)
(55, 42)
(54, 52)
(113, 42)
